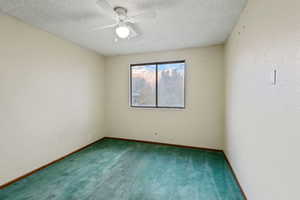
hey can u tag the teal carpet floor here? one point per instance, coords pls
(121, 170)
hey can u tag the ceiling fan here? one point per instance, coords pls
(124, 23)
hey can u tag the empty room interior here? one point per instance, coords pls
(149, 99)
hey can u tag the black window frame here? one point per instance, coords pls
(156, 84)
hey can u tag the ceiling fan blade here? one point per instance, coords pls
(104, 27)
(143, 17)
(106, 8)
(133, 33)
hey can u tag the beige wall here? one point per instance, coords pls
(51, 95)
(262, 128)
(200, 124)
(52, 99)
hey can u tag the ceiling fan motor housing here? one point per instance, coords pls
(121, 12)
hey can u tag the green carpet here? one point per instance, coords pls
(121, 170)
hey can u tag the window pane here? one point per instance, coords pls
(171, 85)
(143, 85)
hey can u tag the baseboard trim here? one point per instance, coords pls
(235, 177)
(167, 144)
(46, 165)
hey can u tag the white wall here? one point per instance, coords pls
(200, 124)
(262, 128)
(51, 98)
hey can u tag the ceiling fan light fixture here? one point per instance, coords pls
(122, 31)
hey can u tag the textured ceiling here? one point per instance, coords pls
(179, 23)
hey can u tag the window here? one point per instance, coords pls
(157, 85)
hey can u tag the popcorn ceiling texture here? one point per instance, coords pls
(179, 24)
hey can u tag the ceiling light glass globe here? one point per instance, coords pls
(122, 31)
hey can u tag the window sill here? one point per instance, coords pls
(156, 108)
